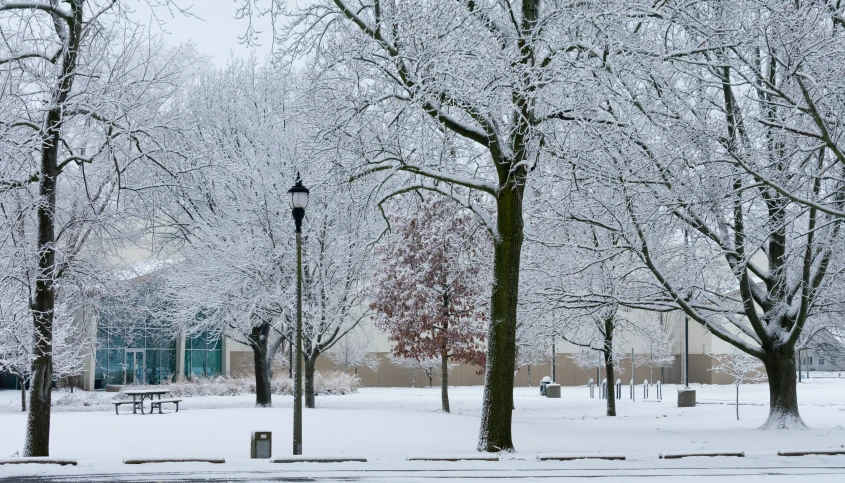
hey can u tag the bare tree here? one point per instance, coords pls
(474, 92)
(79, 99)
(742, 367)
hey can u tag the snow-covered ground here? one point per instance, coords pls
(388, 424)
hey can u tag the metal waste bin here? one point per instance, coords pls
(543, 383)
(261, 445)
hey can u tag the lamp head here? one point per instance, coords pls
(298, 194)
(298, 202)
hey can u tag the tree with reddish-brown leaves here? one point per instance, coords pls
(429, 291)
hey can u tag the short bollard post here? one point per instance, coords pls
(261, 445)
(659, 390)
(604, 389)
(619, 389)
(592, 388)
(645, 389)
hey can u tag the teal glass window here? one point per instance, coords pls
(128, 327)
(203, 355)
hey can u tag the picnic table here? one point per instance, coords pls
(138, 396)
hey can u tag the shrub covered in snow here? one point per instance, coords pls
(325, 384)
(82, 398)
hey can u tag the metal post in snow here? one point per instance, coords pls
(633, 393)
(686, 352)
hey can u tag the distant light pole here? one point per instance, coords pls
(686, 352)
(298, 201)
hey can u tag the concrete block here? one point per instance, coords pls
(553, 391)
(686, 398)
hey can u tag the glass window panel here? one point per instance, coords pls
(116, 366)
(101, 369)
(198, 341)
(102, 334)
(168, 364)
(151, 371)
(213, 363)
(198, 362)
(116, 338)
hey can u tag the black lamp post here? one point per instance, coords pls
(298, 201)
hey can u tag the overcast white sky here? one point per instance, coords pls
(215, 32)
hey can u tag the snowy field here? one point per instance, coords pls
(386, 425)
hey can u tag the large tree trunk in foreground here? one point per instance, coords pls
(37, 441)
(783, 392)
(497, 408)
(444, 380)
(263, 387)
(310, 369)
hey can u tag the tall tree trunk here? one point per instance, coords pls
(611, 386)
(783, 391)
(37, 442)
(263, 387)
(608, 365)
(497, 408)
(737, 402)
(22, 382)
(310, 369)
(444, 379)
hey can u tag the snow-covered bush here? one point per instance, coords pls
(83, 398)
(326, 384)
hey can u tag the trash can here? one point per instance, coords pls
(543, 383)
(261, 444)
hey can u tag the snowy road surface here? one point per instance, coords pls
(388, 424)
(752, 469)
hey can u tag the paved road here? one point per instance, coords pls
(723, 473)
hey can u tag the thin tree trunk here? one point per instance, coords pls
(444, 379)
(529, 375)
(608, 365)
(783, 393)
(22, 382)
(497, 409)
(263, 387)
(37, 442)
(310, 369)
(737, 402)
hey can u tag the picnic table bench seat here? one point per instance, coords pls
(156, 403)
(118, 403)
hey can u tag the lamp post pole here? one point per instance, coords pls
(297, 388)
(298, 200)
